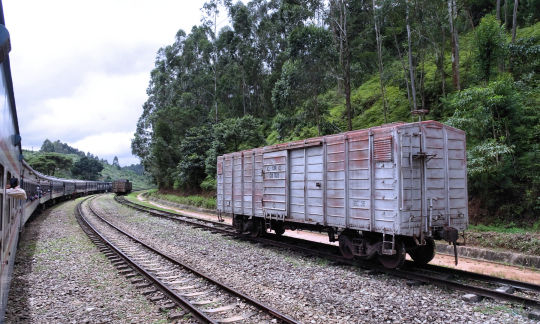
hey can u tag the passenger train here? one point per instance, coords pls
(41, 190)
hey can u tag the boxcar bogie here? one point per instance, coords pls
(380, 192)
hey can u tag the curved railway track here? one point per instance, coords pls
(168, 279)
(485, 286)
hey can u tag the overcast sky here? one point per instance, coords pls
(81, 68)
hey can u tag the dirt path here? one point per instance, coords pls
(466, 264)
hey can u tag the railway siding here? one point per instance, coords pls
(505, 257)
(311, 290)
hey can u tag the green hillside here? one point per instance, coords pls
(111, 172)
(284, 70)
(55, 160)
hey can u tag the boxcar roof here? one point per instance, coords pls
(314, 141)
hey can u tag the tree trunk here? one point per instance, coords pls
(215, 64)
(514, 21)
(411, 67)
(244, 93)
(346, 66)
(379, 55)
(452, 14)
(348, 92)
(422, 77)
(498, 10)
(404, 71)
(506, 14)
(443, 74)
(341, 32)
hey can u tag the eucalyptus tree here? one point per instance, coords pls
(306, 74)
(490, 46)
(452, 15)
(339, 17)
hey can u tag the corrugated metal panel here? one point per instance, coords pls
(335, 182)
(275, 183)
(258, 191)
(227, 183)
(248, 178)
(359, 181)
(384, 184)
(237, 191)
(219, 179)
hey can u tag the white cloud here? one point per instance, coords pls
(80, 68)
(110, 144)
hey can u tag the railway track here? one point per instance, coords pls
(169, 281)
(484, 286)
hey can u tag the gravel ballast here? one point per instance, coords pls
(61, 277)
(311, 290)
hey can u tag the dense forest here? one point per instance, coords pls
(282, 70)
(63, 161)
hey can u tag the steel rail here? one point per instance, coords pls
(406, 273)
(201, 317)
(278, 315)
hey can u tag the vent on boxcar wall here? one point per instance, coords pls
(220, 167)
(382, 149)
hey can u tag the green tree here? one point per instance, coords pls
(115, 162)
(501, 151)
(231, 135)
(47, 146)
(307, 72)
(87, 169)
(490, 46)
(50, 163)
(190, 171)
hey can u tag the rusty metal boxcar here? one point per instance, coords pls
(382, 190)
(121, 186)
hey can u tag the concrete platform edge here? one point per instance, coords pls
(517, 259)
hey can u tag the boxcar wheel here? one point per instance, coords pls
(424, 253)
(394, 261)
(255, 228)
(346, 246)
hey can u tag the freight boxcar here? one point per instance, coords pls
(380, 192)
(121, 186)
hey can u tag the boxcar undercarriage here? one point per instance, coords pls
(389, 250)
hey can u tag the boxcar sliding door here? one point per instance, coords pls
(275, 174)
(306, 184)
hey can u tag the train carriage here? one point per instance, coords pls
(121, 186)
(383, 191)
(40, 189)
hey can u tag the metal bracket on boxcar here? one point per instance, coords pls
(450, 235)
(424, 155)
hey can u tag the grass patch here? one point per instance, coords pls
(498, 229)
(196, 201)
(146, 204)
(527, 242)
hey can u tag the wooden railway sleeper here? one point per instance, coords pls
(207, 301)
(236, 318)
(143, 285)
(220, 309)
